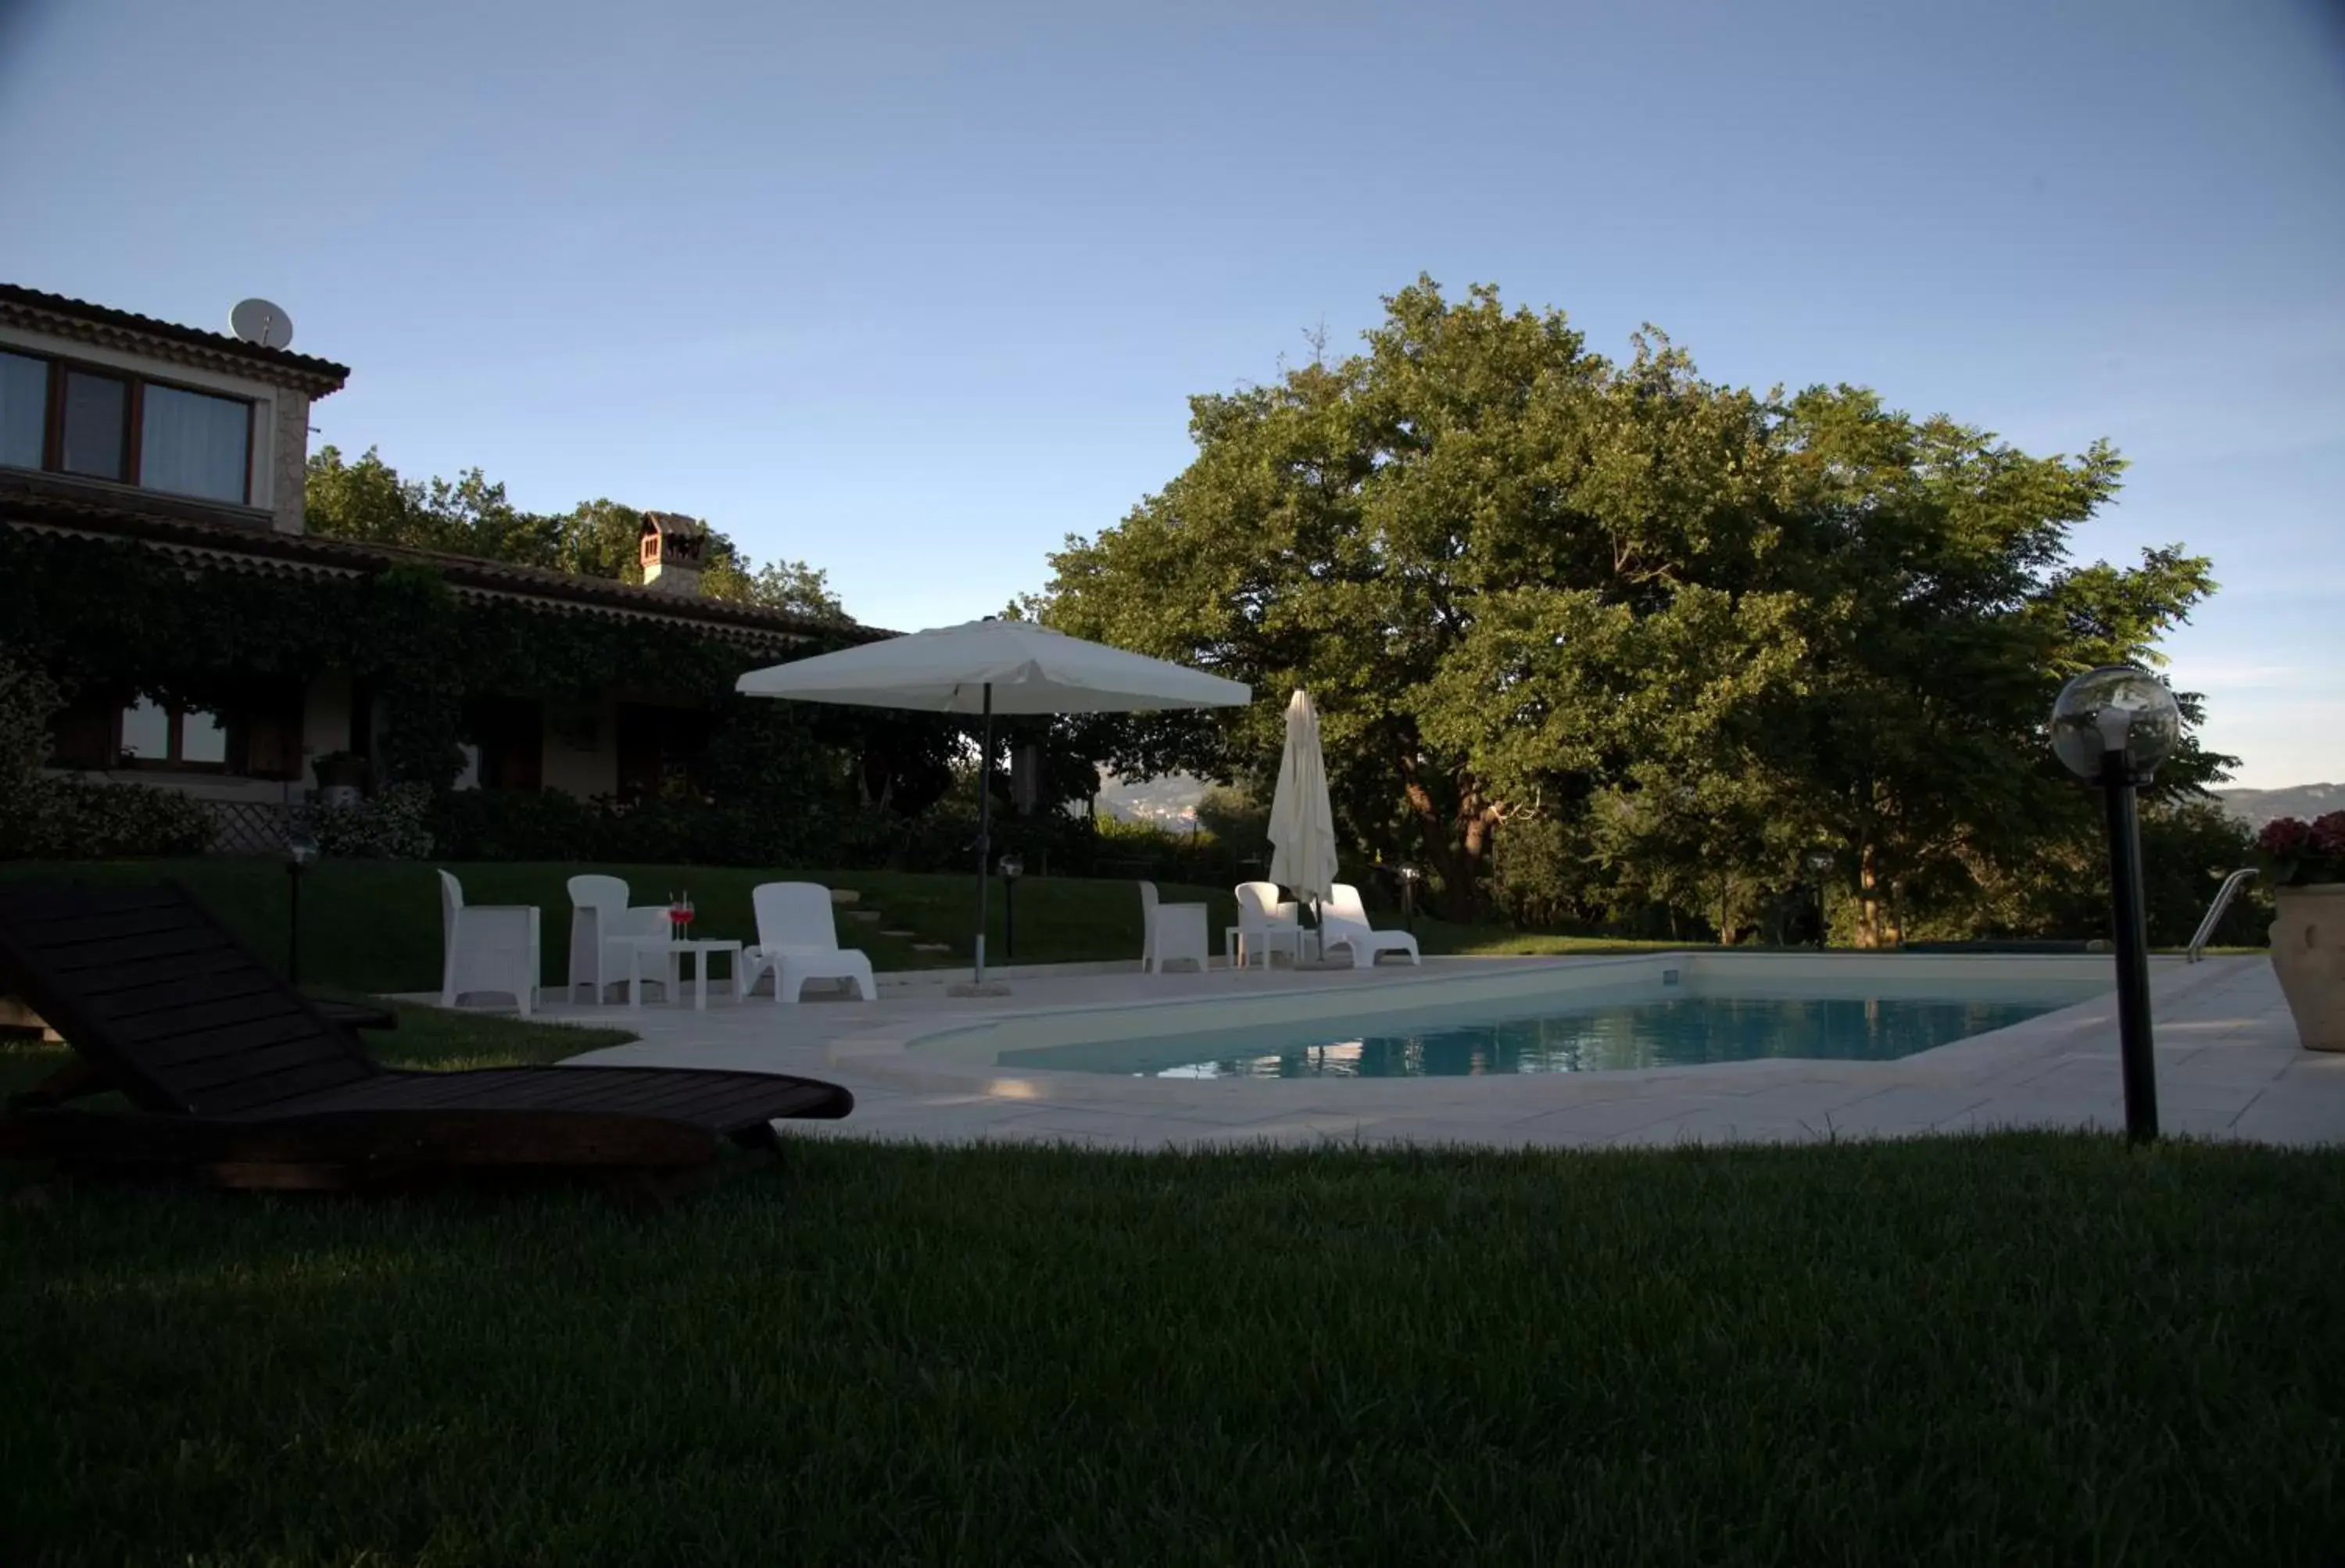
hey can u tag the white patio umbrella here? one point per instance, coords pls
(1302, 823)
(991, 666)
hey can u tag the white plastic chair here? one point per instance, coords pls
(798, 939)
(1344, 920)
(1266, 925)
(603, 929)
(486, 949)
(1169, 931)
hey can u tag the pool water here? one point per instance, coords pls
(1595, 1033)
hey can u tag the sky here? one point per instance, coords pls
(913, 291)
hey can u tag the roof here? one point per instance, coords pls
(45, 502)
(28, 306)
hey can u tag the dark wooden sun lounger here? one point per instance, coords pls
(236, 1076)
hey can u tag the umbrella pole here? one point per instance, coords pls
(984, 830)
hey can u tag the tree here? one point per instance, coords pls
(1699, 628)
(1938, 616)
(467, 516)
(791, 585)
(470, 515)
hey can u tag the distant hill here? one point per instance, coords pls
(1172, 799)
(2257, 807)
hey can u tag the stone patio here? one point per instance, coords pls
(2227, 1067)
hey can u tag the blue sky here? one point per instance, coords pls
(912, 291)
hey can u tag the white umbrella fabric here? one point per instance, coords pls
(1302, 822)
(1020, 666)
(991, 666)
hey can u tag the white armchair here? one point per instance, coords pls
(486, 949)
(604, 929)
(1266, 925)
(1169, 931)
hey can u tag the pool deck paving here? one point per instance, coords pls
(2228, 1067)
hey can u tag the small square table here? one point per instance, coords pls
(1300, 943)
(676, 948)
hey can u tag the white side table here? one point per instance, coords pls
(1239, 954)
(676, 948)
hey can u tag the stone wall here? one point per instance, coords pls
(290, 456)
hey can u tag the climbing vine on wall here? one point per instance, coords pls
(111, 619)
(121, 619)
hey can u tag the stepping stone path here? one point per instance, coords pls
(885, 933)
(932, 947)
(863, 914)
(845, 896)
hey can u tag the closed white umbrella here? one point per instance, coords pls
(1302, 822)
(991, 666)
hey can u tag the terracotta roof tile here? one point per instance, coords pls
(129, 320)
(43, 500)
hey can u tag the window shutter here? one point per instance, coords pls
(272, 735)
(83, 734)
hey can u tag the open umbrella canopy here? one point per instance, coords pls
(1027, 668)
(1302, 822)
(991, 666)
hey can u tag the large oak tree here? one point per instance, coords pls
(1700, 629)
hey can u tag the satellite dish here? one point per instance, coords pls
(258, 322)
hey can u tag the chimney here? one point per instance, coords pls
(673, 545)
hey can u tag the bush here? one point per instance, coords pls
(500, 825)
(45, 819)
(1234, 816)
(391, 825)
(28, 699)
(74, 819)
(1535, 872)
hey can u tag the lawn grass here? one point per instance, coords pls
(374, 925)
(1441, 936)
(2018, 1348)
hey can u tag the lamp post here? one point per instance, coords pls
(1012, 868)
(2112, 727)
(301, 849)
(1820, 862)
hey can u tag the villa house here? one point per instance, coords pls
(194, 444)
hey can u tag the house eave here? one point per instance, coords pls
(35, 504)
(125, 331)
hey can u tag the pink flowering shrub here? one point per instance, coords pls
(2294, 853)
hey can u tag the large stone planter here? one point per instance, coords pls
(2307, 952)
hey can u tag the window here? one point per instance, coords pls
(23, 410)
(76, 418)
(192, 443)
(96, 439)
(203, 740)
(146, 732)
(260, 738)
(153, 735)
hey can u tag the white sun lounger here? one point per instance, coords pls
(798, 939)
(1343, 922)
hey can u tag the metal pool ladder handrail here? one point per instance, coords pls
(2230, 888)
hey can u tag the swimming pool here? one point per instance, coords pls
(1643, 1015)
